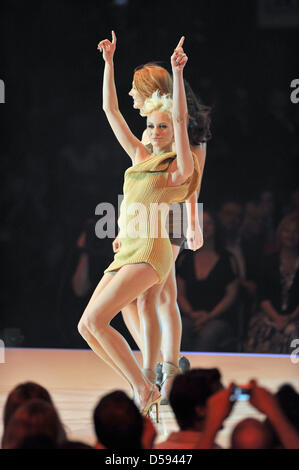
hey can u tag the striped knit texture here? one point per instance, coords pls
(146, 183)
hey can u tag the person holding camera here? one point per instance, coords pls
(219, 407)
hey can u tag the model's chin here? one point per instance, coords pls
(161, 146)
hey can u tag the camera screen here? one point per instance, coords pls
(240, 394)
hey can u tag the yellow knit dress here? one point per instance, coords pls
(144, 210)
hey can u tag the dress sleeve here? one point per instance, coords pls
(184, 191)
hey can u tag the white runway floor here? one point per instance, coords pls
(77, 379)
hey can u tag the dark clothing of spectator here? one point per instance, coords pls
(204, 294)
(283, 293)
(274, 287)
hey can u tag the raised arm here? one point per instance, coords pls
(126, 138)
(184, 160)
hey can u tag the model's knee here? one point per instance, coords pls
(83, 329)
(89, 326)
(146, 303)
(168, 295)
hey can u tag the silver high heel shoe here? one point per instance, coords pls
(184, 365)
(169, 372)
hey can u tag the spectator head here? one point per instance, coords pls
(251, 434)
(253, 223)
(288, 231)
(230, 217)
(189, 394)
(34, 418)
(20, 395)
(118, 422)
(288, 400)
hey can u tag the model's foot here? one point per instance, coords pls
(146, 395)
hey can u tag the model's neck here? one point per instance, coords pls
(159, 150)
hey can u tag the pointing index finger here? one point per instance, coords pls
(113, 37)
(181, 42)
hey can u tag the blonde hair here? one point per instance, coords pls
(151, 77)
(157, 102)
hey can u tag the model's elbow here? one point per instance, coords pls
(108, 109)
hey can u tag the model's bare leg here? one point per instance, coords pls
(149, 321)
(129, 282)
(89, 338)
(132, 322)
(170, 317)
(171, 324)
(140, 317)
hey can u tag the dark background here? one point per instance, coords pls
(59, 158)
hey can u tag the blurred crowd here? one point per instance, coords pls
(240, 291)
(198, 399)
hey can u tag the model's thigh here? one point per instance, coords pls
(147, 299)
(169, 289)
(129, 282)
(107, 277)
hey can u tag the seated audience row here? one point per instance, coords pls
(234, 297)
(199, 402)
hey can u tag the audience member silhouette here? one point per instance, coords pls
(188, 399)
(250, 434)
(35, 418)
(207, 290)
(288, 400)
(276, 324)
(21, 394)
(118, 423)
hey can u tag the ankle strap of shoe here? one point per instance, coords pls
(150, 374)
(170, 369)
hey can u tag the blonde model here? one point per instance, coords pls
(161, 176)
(138, 315)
